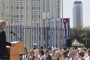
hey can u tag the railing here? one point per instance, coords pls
(31, 35)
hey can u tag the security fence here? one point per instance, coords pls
(42, 36)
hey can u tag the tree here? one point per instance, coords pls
(81, 34)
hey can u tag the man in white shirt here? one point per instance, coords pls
(73, 55)
(85, 53)
(24, 56)
(41, 53)
(88, 58)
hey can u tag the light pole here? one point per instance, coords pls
(86, 43)
(62, 21)
(2, 14)
(86, 38)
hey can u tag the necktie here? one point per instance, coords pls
(72, 58)
(57, 58)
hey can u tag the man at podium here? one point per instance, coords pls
(3, 43)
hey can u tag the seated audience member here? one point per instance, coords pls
(73, 55)
(47, 55)
(81, 55)
(31, 56)
(41, 54)
(88, 52)
(24, 56)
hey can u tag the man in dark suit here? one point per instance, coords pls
(32, 57)
(48, 57)
(3, 43)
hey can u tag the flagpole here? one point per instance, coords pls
(62, 23)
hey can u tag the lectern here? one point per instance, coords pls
(16, 51)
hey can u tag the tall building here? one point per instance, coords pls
(47, 9)
(28, 12)
(29, 17)
(78, 14)
(55, 6)
(13, 11)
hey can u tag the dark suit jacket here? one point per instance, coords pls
(49, 57)
(3, 43)
(33, 58)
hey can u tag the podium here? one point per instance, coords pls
(16, 51)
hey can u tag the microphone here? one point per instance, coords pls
(15, 35)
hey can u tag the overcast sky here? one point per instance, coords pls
(68, 11)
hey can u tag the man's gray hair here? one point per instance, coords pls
(2, 22)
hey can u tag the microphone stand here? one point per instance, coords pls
(15, 35)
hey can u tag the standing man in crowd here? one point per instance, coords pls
(3, 43)
(48, 56)
(88, 52)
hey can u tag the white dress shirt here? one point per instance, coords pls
(88, 58)
(42, 57)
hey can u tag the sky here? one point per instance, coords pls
(68, 11)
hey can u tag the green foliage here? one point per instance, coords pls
(82, 34)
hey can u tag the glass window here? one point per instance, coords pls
(39, 16)
(11, 20)
(32, 8)
(11, 15)
(6, 7)
(17, 16)
(22, 7)
(17, 7)
(21, 16)
(11, 7)
(27, 7)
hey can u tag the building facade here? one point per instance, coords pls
(27, 18)
(55, 6)
(78, 14)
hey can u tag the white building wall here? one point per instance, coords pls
(55, 6)
(29, 13)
